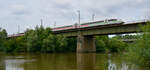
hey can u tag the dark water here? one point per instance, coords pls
(66, 61)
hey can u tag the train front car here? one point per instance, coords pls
(103, 22)
(114, 21)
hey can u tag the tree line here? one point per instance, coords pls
(42, 39)
(38, 40)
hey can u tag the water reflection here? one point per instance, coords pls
(120, 64)
(2, 63)
(86, 61)
(123, 66)
(66, 61)
(16, 64)
(52, 62)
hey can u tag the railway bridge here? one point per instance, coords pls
(85, 36)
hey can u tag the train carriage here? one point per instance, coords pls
(90, 24)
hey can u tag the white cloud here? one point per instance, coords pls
(27, 13)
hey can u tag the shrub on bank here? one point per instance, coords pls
(106, 44)
(140, 51)
(116, 45)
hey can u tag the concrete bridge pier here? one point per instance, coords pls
(86, 44)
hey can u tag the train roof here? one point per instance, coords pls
(100, 21)
(90, 22)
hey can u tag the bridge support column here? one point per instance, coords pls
(86, 44)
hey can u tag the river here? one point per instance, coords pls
(66, 61)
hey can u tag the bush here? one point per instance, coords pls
(140, 51)
(115, 45)
(101, 42)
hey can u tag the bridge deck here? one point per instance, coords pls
(103, 29)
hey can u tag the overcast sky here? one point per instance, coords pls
(27, 13)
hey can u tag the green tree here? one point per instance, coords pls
(116, 45)
(3, 36)
(101, 43)
(140, 51)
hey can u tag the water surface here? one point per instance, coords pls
(66, 61)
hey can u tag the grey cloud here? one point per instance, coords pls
(27, 13)
(21, 12)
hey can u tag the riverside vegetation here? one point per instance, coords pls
(139, 52)
(44, 41)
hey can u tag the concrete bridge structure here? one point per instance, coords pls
(85, 36)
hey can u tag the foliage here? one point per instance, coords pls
(116, 45)
(106, 44)
(140, 51)
(101, 43)
(3, 36)
(43, 40)
(39, 40)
